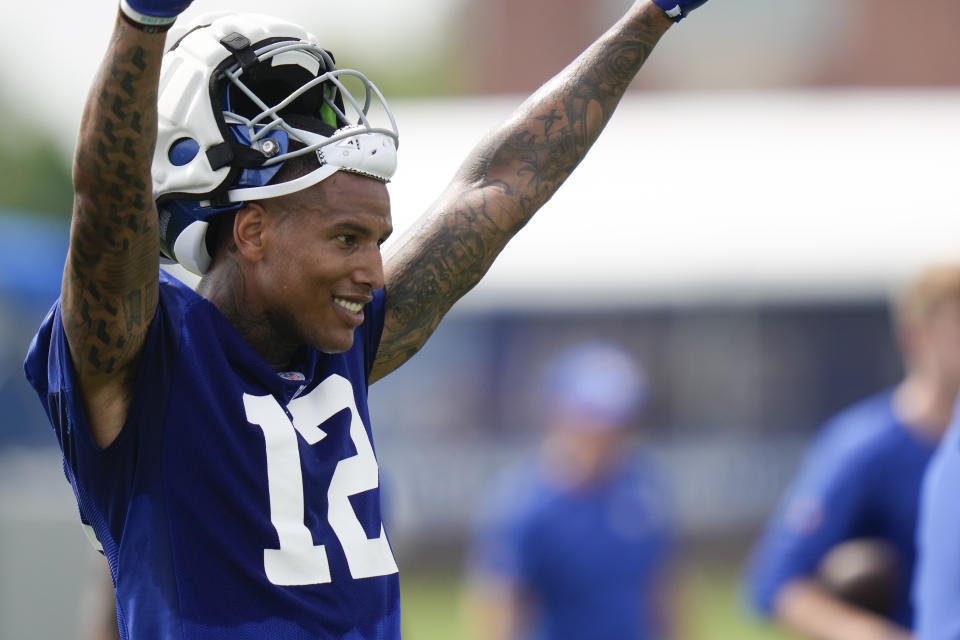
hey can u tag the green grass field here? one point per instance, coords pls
(432, 604)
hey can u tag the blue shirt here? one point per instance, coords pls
(861, 479)
(590, 558)
(236, 503)
(937, 578)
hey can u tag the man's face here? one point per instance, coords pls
(323, 261)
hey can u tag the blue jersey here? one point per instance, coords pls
(236, 503)
(590, 559)
(937, 578)
(861, 479)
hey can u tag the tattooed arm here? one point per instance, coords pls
(110, 280)
(504, 181)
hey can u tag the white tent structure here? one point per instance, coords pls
(707, 196)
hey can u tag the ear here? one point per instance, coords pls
(248, 227)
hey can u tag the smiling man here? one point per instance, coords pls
(218, 441)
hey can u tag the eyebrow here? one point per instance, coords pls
(359, 229)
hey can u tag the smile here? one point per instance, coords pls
(352, 307)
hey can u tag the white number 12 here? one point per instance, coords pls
(299, 561)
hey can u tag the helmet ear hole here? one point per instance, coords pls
(183, 151)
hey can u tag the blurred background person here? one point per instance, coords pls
(577, 543)
(861, 481)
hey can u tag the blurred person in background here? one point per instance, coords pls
(577, 543)
(218, 440)
(861, 482)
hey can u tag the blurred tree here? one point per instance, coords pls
(34, 172)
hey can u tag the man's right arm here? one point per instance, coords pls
(110, 280)
(805, 607)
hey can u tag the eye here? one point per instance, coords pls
(347, 238)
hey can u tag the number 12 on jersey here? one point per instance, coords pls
(299, 561)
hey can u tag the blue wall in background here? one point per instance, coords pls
(32, 252)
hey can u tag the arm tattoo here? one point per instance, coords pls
(458, 242)
(505, 181)
(110, 282)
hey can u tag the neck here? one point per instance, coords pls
(225, 285)
(925, 402)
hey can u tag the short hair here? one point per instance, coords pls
(925, 293)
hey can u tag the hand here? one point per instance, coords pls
(158, 14)
(878, 629)
(677, 10)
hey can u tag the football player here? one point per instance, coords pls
(218, 441)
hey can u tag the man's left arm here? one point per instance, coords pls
(508, 177)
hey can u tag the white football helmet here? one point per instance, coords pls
(235, 92)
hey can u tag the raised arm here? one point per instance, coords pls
(506, 179)
(110, 280)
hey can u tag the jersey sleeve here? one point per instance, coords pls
(102, 478)
(823, 507)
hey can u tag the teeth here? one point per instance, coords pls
(352, 307)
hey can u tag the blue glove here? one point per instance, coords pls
(677, 10)
(154, 15)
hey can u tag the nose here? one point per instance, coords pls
(369, 268)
